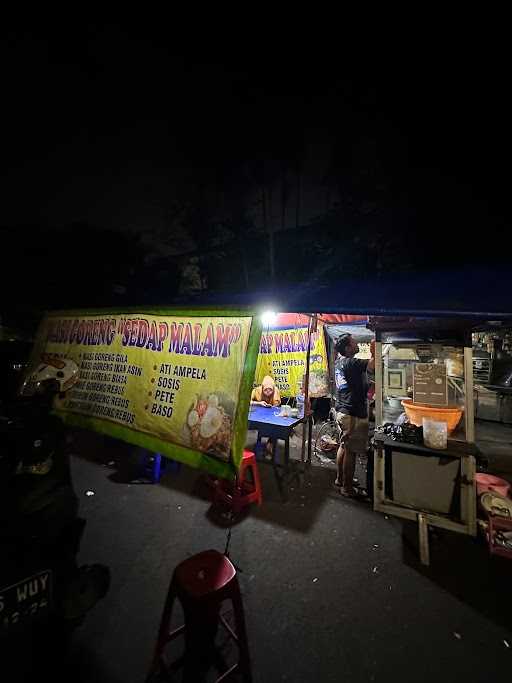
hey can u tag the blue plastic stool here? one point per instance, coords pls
(153, 464)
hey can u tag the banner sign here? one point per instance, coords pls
(283, 356)
(177, 383)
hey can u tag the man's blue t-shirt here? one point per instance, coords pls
(351, 386)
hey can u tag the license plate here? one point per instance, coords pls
(25, 601)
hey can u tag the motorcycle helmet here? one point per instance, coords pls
(51, 376)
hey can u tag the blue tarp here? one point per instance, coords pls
(460, 292)
(359, 332)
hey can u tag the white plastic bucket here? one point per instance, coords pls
(435, 433)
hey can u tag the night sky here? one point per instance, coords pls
(102, 126)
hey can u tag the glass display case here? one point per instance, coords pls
(424, 452)
(424, 381)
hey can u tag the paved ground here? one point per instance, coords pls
(495, 441)
(332, 590)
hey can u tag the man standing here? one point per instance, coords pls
(351, 408)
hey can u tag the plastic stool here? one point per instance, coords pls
(243, 491)
(201, 584)
(154, 464)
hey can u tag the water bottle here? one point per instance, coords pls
(300, 403)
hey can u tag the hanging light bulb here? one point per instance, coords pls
(268, 318)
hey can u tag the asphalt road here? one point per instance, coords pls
(332, 590)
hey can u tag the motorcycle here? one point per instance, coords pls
(43, 592)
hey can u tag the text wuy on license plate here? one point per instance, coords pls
(25, 601)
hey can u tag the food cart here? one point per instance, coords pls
(428, 362)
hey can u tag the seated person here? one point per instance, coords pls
(267, 394)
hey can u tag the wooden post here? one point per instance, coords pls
(423, 538)
(469, 408)
(312, 326)
(379, 411)
(468, 493)
(379, 493)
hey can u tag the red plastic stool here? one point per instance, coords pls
(243, 491)
(201, 584)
